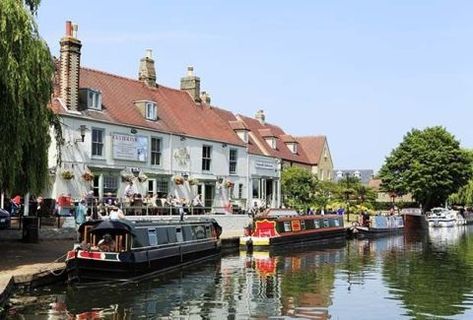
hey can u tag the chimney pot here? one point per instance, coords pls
(260, 116)
(149, 54)
(75, 27)
(68, 29)
(191, 84)
(147, 70)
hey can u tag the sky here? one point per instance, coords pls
(363, 73)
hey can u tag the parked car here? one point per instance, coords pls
(4, 219)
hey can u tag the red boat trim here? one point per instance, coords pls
(92, 255)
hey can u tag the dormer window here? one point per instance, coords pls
(90, 99)
(292, 147)
(271, 141)
(151, 111)
(243, 135)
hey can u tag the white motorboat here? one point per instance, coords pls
(443, 217)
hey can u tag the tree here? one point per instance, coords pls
(26, 72)
(429, 164)
(464, 196)
(298, 186)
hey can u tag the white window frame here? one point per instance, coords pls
(232, 163)
(150, 110)
(206, 159)
(99, 143)
(158, 152)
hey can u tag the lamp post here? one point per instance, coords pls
(347, 194)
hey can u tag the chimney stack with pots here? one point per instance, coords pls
(260, 116)
(191, 84)
(70, 67)
(147, 72)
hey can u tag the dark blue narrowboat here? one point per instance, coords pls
(114, 250)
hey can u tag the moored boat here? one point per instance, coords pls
(112, 250)
(281, 226)
(378, 225)
(443, 217)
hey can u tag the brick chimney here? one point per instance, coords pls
(147, 72)
(70, 67)
(260, 117)
(191, 84)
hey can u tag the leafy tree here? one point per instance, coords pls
(298, 186)
(26, 71)
(429, 164)
(464, 196)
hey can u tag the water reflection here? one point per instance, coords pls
(415, 275)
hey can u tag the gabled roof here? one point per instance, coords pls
(313, 146)
(287, 138)
(236, 124)
(177, 112)
(258, 131)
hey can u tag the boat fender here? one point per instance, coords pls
(249, 244)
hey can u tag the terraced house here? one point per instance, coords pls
(166, 141)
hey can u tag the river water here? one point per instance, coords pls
(410, 276)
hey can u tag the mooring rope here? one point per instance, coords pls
(56, 274)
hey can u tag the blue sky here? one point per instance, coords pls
(362, 72)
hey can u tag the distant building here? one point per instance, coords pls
(382, 196)
(365, 175)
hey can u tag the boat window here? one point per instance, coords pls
(302, 224)
(141, 238)
(336, 222)
(208, 232)
(153, 240)
(309, 224)
(280, 227)
(199, 232)
(163, 236)
(316, 224)
(326, 223)
(287, 226)
(188, 234)
(172, 234)
(179, 235)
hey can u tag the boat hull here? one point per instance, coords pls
(83, 266)
(251, 242)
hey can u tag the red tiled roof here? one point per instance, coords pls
(281, 151)
(232, 120)
(287, 138)
(177, 112)
(238, 125)
(313, 147)
(266, 133)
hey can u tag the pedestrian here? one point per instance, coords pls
(80, 213)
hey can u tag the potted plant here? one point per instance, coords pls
(142, 178)
(67, 174)
(127, 177)
(229, 184)
(88, 176)
(193, 181)
(178, 180)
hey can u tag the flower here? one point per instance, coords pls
(193, 181)
(142, 177)
(178, 180)
(67, 174)
(127, 177)
(229, 184)
(88, 176)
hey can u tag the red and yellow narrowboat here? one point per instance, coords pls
(282, 226)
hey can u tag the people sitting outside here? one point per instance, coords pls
(109, 199)
(365, 219)
(15, 205)
(107, 244)
(198, 205)
(130, 191)
(97, 214)
(116, 213)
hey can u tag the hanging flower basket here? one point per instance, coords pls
(142, 178)
(67, 174)
(127, 177)
(88, 176)
(193, 181)
(178, 180)
(229, 184)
